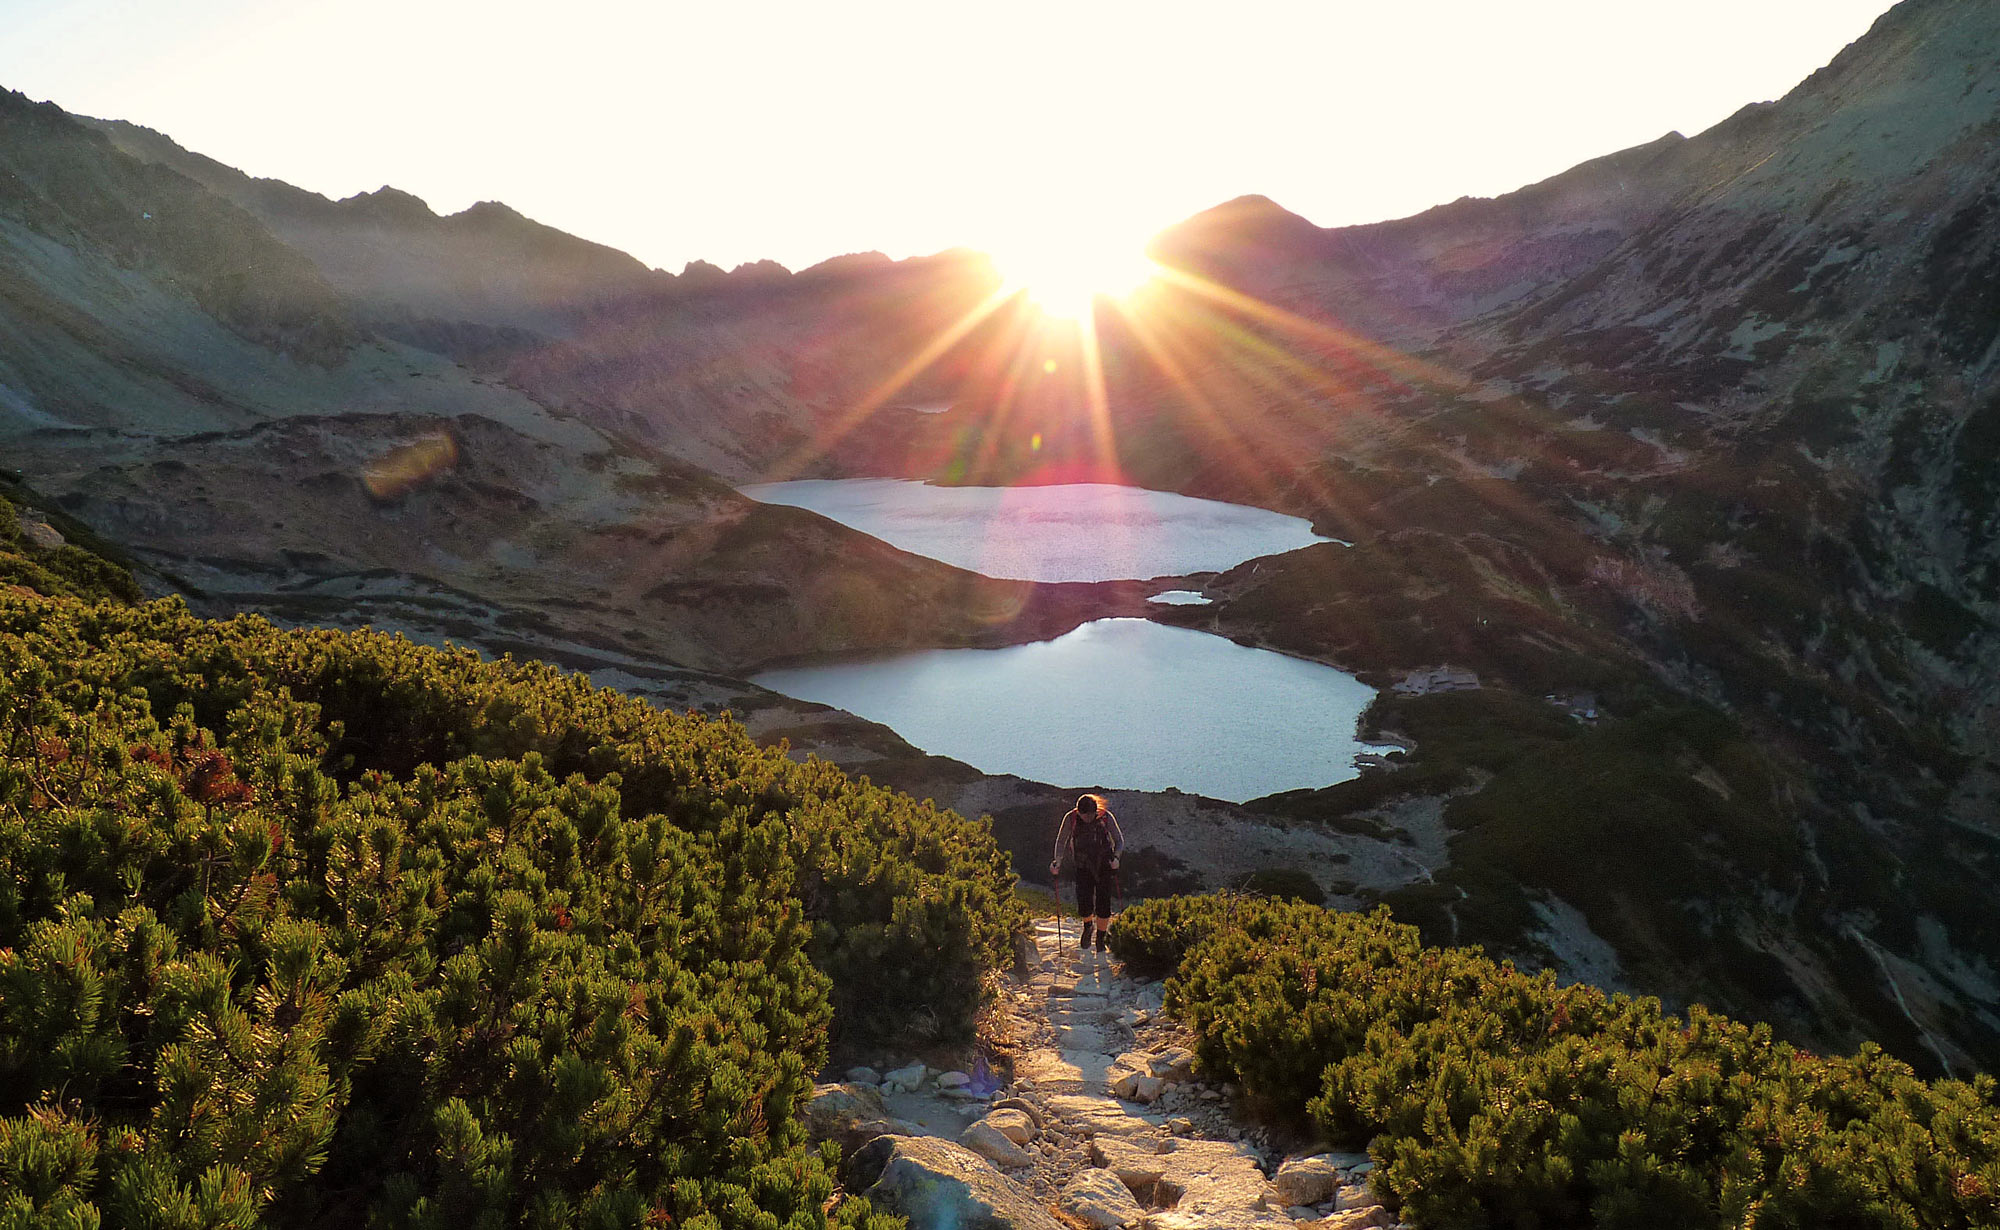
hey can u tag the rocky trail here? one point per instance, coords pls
(1103, 1123)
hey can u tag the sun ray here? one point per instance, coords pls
(824, 440)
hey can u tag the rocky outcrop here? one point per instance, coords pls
(942, 1186)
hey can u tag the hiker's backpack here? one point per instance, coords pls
(1091, 840)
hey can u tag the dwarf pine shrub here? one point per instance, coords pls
(1496, 1099)
(319, 928)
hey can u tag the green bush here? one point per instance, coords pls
(62, 571)
(304, 927)
(1285, 883)
(1494, 1098)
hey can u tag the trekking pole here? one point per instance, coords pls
(1059, 920)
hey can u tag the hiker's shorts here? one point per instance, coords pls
(1094, 890)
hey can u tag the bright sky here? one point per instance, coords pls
(797, 131)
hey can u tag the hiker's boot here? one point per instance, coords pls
(1085, 945)
(1104, 940)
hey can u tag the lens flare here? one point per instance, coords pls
(1064, 272)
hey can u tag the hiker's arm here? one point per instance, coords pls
(1055, 856)
(1117, 839)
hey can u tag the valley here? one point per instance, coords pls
(1683, 457)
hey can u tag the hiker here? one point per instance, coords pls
(1094, 840)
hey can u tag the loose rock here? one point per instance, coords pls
(908, 1079)
(989, 1142)
(1307, 1180)
(1352, 1196)
(1014, 1124)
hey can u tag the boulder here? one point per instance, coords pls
(938, 1185)
(1176, 1063)
(1134, 1161)
(1015, 1125)
(1308, 1180)
(39, 532)
(1097, 1198)
(908, 1078)
(1352, 1196)
(850, 1116)
(863, 1076)
(1137, 1086)
(992, 1144)
(953, 1080)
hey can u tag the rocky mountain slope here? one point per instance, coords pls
(1747, 454)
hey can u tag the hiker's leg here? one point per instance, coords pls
(1086, 894)
(1086, 903)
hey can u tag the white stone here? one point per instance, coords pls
(908, 1078)
(1352, 1196)
(1307, 1180)
(953, 1080)
(1137, 1087)
(990, 1143)
(1014, 1124)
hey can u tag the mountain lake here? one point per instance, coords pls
(1120, 703)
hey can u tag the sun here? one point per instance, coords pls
(1064, 271)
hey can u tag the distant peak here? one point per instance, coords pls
(760, 271)
(491, 209)
(390, 205)
(1253, 203)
